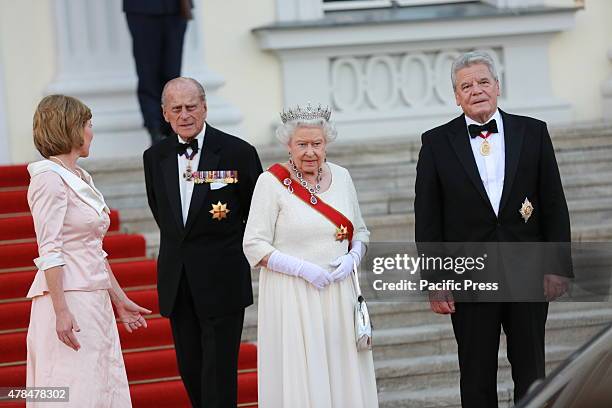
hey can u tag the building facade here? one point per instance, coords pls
(382, 65)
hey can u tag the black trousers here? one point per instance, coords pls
(157, 44)
(207, 352)
(477, 329)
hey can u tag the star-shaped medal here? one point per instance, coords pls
(341, 233)
(219, 211)
(526, 210)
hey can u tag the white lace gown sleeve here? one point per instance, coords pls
(259, 232)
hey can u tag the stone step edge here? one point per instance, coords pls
(580, 319)
(435, 332)
(435, 396)
(448, 363)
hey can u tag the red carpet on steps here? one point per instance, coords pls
(128, 273)
(117, 246)
(14, 202)
(140, 366)
(14, 176)
(16, 314)
(22, 227)
(149, 354)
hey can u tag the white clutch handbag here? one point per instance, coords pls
(363, 325)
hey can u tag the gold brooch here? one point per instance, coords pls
(219, 211)
(341, 233)
(526, 210)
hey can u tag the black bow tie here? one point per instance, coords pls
(476, 130)
(181, 148)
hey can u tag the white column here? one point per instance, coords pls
(606, 91)
(5, 156)
(95, 64)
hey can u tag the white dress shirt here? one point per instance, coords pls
(491, 167)
(186, 187)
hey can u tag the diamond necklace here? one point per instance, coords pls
(312, 190)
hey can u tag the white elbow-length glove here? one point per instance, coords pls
(344, 263)
(290, 265)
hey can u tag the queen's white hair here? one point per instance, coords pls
(471, 58)
(285, 131)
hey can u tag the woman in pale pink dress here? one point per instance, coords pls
(72, 338)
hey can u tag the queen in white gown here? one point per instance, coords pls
(307, 356)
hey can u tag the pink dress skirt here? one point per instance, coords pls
(95, 374)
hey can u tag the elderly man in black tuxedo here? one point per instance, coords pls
(157, 28)
(489, 176)
(199, 187)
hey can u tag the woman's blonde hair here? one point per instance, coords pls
(58, 124)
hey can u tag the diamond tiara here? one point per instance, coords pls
(307, 113)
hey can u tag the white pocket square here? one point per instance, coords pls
(217, 186)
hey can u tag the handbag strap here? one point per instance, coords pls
(356, 282)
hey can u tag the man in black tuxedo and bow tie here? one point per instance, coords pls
(489, 176)
(199, 188)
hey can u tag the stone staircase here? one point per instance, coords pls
(415, 350)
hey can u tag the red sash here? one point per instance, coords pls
(344, 226)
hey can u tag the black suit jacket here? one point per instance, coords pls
(209, 251)
(157, 7)
(451, 203)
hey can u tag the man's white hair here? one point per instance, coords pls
(183, 80)
(471, 58)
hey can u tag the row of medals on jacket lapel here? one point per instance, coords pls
(220, 210)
